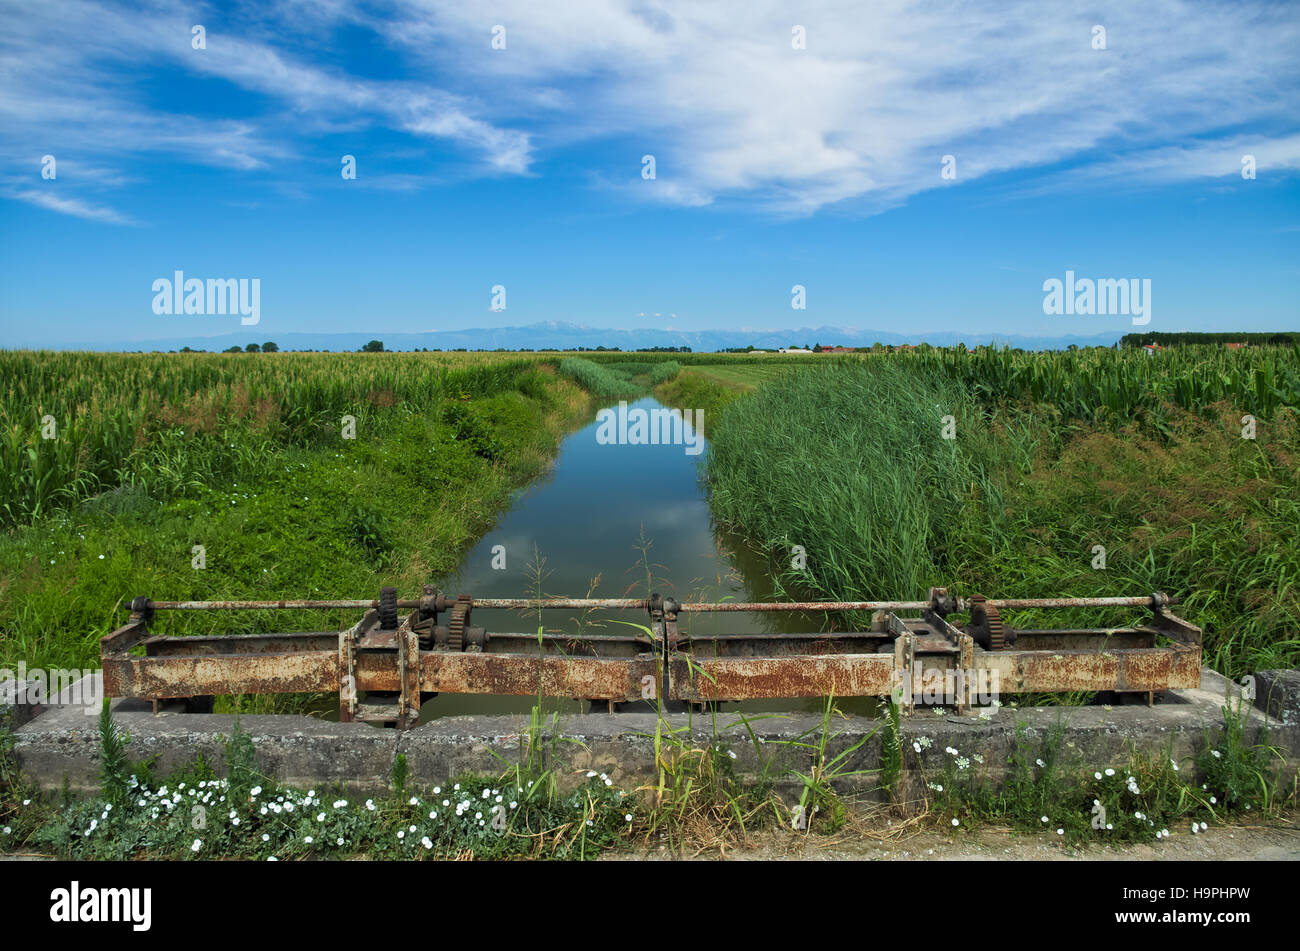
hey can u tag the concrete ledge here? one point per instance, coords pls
(1277, 693)
(63, 741)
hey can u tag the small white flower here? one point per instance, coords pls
(1041, 763)
(628, 817)
(955, 822)
(1060, 832)
(437, 790)
(320, 817)
(413, 801)
(308, 839)
(255, 791)
(1097, 775)
(272, 858)
(1213, 800)
(1044, 820)
(401, 833)
(340, 804)
(265, 837)
(1204, 826)
(198, 844)
(433, 815)
(339, 840)
(591, 774)
(1110, 772)
(426, 843)
(411, 829)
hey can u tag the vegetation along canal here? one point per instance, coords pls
(612, 520)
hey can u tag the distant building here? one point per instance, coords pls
(794, 350)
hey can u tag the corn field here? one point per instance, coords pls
(1105, 386)
(73, 424)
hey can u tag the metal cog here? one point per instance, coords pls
(456, 627)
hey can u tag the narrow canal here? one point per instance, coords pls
(612, 520)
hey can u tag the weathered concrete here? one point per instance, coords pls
(1277, 692)
(63, 741)
(17, 705)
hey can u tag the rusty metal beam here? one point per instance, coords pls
(533, 604)
(416, 655)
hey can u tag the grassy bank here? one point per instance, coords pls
(247, 457)
(1053, 455)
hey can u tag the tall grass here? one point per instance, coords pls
(848, 461)
(843, 459)
(598, 380)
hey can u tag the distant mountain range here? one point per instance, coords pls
(559, 335)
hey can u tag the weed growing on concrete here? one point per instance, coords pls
(1146, 796)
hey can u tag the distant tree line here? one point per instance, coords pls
(1189, 337)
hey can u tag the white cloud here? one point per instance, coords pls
(881, 92)
(860, 118)
(69, 206)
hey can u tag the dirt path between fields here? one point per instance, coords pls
(1279, 841)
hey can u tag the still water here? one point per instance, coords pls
(602, 517)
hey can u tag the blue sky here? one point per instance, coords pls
(522, 166)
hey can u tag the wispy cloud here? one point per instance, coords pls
(881, 92)
(860, 118)
(68, 206)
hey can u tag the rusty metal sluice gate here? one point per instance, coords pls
(396, 659)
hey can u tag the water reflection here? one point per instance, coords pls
(614, 521)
